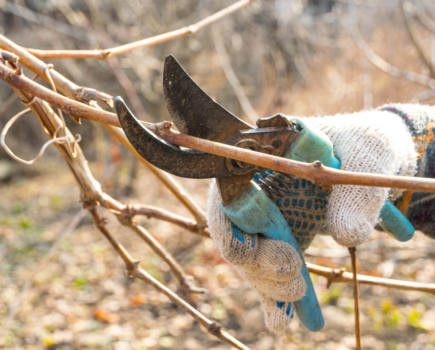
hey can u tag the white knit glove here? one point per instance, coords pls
(371, 142)
(271, 267)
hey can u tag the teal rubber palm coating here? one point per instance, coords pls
(253, 212)
(311, 145)
(395, 223)
(303, 207)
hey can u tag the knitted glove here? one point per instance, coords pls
(372, 142)
(419, 207)
(363, 142)
(303, 206)
(272, 267)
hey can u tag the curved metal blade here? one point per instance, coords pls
(192, 110)
(176, 160)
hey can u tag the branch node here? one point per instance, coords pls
(127, 214)
(102, 223)
(187, 287)
(9, 57)
(192, 29)
(30, 102)
(89, 204)
(214, 329)
(132, 266)
(317, 164)
(336, 273)
(106, 54)
(164, 126)
(85, 94)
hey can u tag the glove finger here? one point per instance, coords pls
(395, 223)
(277, 314)
(291, 289)
(236, 246)
(276, 260)
(351, 224)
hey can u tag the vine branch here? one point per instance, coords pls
(340, 275)
(354, 261)
(384, 65)
(315, 172)
(413, 35)
(107, 53)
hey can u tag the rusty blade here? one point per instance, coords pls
(175, 160)
(194, 112)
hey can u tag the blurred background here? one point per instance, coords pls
(298, 57)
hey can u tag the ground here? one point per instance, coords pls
(83, 299)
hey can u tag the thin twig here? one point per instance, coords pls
(413, 35)
(150, 211)
(70, 89)
(353, 259)
(167, 180)
(339, 275)
(8, 103)
(186, 281)
(188, 224)
(134, 270)
(385, 66)
(125, 216)
(11, 99)
(41, 267)
(105, 54)
(232, 78)
(421, 16)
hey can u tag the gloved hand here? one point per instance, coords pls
(373, 142)
(305, 207)
(419, 207)
(272, 267)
